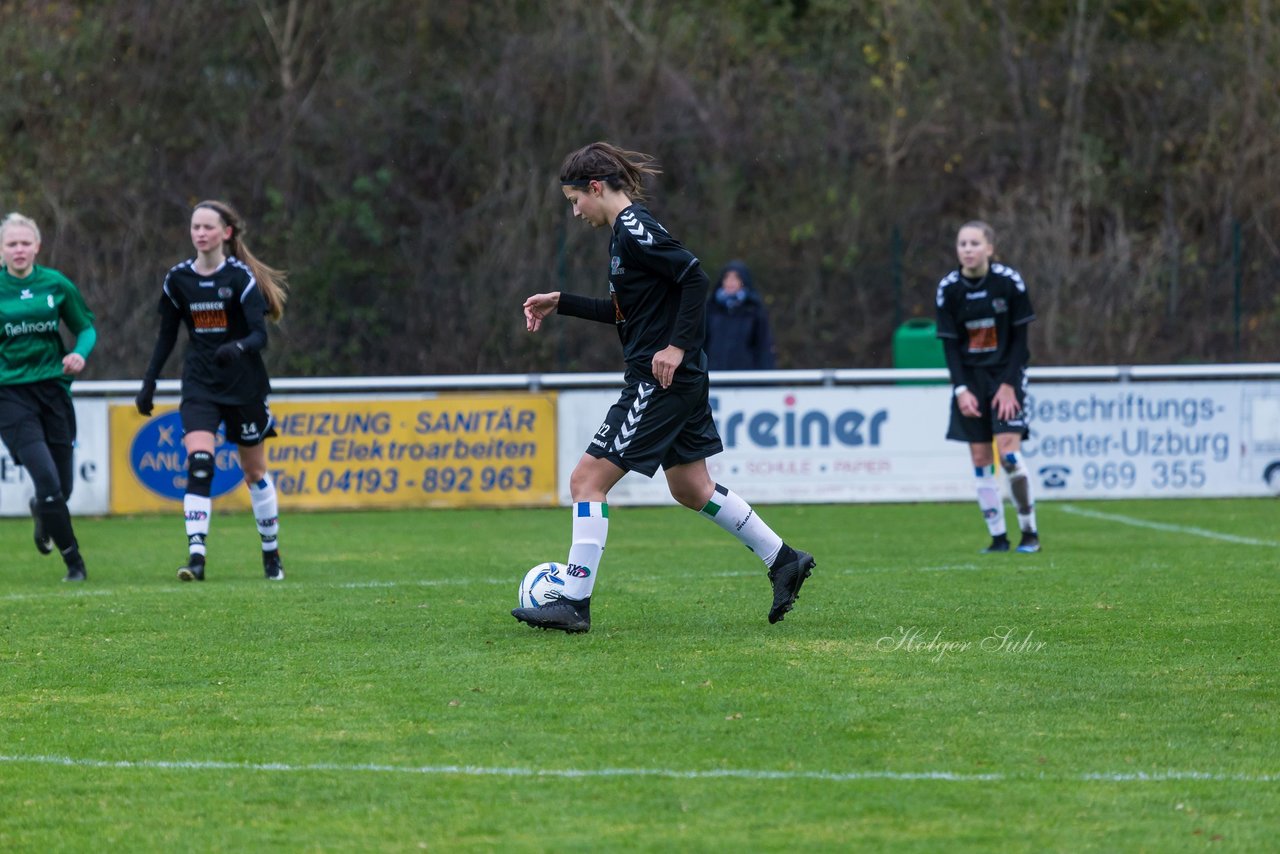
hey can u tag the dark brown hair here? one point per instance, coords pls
(274, 283)
(615, 167)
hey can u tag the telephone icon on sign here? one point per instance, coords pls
(1054, 476)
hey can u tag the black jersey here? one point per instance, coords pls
(219, 308)
(657, 293)
(981, 314)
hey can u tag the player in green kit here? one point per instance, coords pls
(37, 420)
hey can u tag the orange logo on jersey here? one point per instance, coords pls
(982, 335)
(208, 317)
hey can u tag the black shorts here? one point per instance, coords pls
(982, 429)
(651, 426)
(247, 423)
(36, 412)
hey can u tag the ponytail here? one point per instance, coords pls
(274, 283)
(615, 167)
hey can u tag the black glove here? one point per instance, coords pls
(144, 400)
(228, 353)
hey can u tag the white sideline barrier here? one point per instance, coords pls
(797, 444)
(834, 435)
(91, 494)
(794, 444)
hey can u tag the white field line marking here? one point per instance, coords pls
(1164, 526)
(375, 584)
(762, 573)
(998, 565)
(436, 582)
(422, 582)
(668, 773)
(372, 584)
(1162, 776)
(64, 593)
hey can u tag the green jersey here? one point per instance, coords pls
(31, 347)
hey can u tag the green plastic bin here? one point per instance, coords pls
(916, 345)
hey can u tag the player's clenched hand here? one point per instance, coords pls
(538, 307)
(1005, 403)
(72, 364)
(228, 353)
(144, 400)
(968, 403)
(665, 363)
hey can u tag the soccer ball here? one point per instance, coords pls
(541, 585)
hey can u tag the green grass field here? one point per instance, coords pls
(383, 699)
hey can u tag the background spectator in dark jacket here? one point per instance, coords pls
(738, 336)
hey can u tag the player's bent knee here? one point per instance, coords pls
(693, 499)
(253, 474)
(1011, 462)
(200, 473)
(592, 479)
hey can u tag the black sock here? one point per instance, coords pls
(57, 522)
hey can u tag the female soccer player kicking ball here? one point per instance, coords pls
(663, 418)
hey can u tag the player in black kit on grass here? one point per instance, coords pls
(983, 315)
(663, 418)
(223, 296)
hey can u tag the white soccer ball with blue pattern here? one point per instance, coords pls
(541, 585)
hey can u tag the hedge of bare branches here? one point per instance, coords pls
(399, 157)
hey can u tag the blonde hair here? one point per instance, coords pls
(274, 283)
(16, 218)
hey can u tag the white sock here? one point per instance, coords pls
(1027, 521)
(989, 499)
(728, 510)
(1020, 489)
(196, 509)
(590, 530)
(265, 512)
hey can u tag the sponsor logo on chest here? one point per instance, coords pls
(209, 316)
